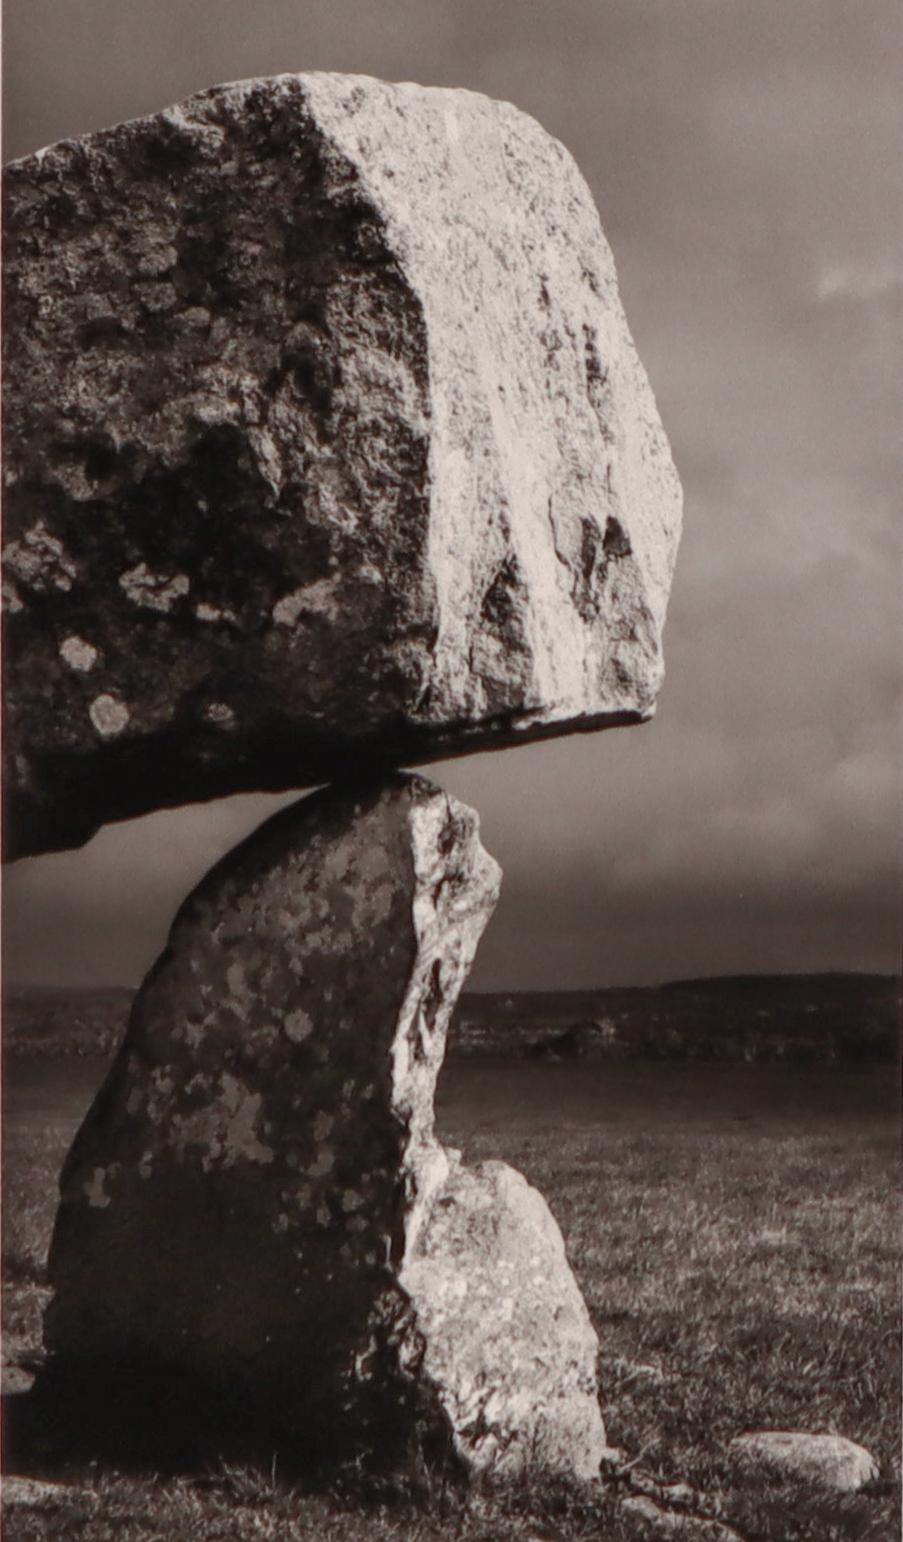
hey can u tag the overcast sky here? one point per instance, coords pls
(745, 156)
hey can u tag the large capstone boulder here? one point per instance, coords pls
(327, 444)
(256, 1211)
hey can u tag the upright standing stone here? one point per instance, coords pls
(326, 441)
(257, 1207)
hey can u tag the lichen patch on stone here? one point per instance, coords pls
(94, 1190)
(78, 654)
(220, 714)
(298, 1025)
(213, 613)
(323, 1163)
(316, 599)
(109, 715)
(39, 560)
(153, 591)
(225, 1128)
(9, 597)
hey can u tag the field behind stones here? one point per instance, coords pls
(734, 1230)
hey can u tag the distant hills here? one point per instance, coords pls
(64, 1020)
(793, 1017)
(827, 1018)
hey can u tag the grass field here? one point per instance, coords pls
(735, 1232)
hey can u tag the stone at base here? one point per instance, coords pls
(257, 1223)
(506, 1334)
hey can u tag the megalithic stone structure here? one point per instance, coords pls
(326, 446)
(327, 450)
(257, 1206)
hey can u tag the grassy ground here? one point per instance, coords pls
(735, 1234)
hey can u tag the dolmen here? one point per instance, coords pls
(328, 453)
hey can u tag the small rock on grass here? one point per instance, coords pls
(680, 1494)
(686, 1528)
(825, 1461)
(32, 1492)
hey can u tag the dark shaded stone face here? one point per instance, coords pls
(194, 455)
(252, 1085)
(234, 1207)
(327, 447)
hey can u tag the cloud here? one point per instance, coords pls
(859, 279)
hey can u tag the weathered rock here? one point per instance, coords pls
(505, 1333)
(19, 1362)
(15, 1378)
(824, 1461)
(326, 443)
(655, 1522)
(257, 1203)
(35, 1493)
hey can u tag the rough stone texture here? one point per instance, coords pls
(505, 1333)
(35, 1493)
(257, 1203)
(824, 1461)
(14, 1377)
(653, 1522)
(326, 443)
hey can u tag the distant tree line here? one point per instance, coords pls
(794, 1018)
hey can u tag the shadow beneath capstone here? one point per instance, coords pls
(140, 1421)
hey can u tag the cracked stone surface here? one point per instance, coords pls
(327, 446)
(257, 1201)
